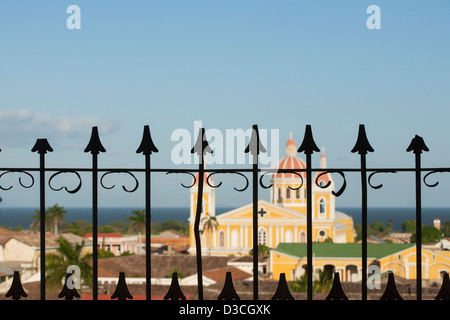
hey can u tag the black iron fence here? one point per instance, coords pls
(147, 148)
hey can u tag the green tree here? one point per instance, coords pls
(137, 223)
(105, 254)
(321, 284)
(376, 228)
(56, 263)
(358, 230)
(429, 235)
(209, 224)
(176, 225)
(263, 251)
(80, 227)
(37, 220)
(175, 270)
(56, 213)
(445, 227)
(409, 226)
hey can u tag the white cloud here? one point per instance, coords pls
(21, 128)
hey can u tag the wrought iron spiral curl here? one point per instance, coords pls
(369, 180)
(20, 179)
(220, 183)
(72, 191)
(430, 173)
(301, 184)
(344, 183)
(284, 171)
(261, 182)
(185, 172)
(123, 187)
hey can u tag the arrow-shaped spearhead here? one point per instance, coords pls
(308, 145)
(42, 146)
(201, 146)
(121, 292)
(147, 146)
(255, 145)
(362, 145)
(94, 146)
(417, 145)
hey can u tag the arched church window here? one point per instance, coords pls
(297, 194)
(279, 194)
(262, 236)
(302, 237)
(322, 206)
(288, 193)
(221, 238)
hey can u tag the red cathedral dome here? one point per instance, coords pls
(290, 161)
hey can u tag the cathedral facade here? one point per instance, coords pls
(281, 219)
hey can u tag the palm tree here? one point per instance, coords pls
(37, 219)
(137, 222)
(210, 223)
(57, 214)
(56, 264)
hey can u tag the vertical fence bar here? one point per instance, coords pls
(255, 227)
(148, 229)
(147, 148)
(418, 227)
(255, 147)
(201, 147)
(94, 227)
(201, 177)
(41, 147)
(417, 146)
(94, 147)
(363, 146)
(308, 146)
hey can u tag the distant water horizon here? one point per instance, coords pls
(21, 216)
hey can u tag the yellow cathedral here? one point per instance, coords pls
(282, 219)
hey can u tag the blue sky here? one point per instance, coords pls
(229, 64)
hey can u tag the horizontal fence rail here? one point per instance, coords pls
(201, 148)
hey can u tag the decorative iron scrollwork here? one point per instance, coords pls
(261, 182)
(430, 173)
(185, 172)
(220, 183)
(72, 191)
(20, 179)
(123, 187)
(344, 183)
(369, 180)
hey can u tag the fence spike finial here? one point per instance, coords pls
(42, 146)
(255, 145)
(201, 146)
(308, 145)
(391, 293)
(228, 291)
(444, 292)
(94, 146)
(16, 290)
(67, 293)
(282, 292)
(147, 146)
(336, 292)
(362, 145)
(417, 145)
(174, 292)
(121, 292)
